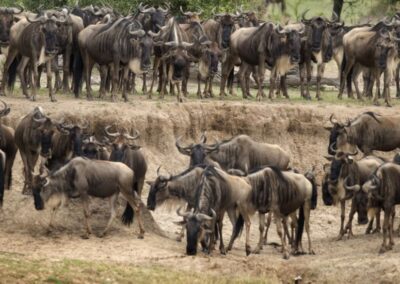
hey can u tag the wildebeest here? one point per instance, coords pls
(7, 19)
(83, 178)
(95, 150)
(371, 48)
(28, 138)
(88, 14)
(38, 44)
(240, 152)
(8, 147)
(383, 188)
(317, 47)
(368, 131)
(120, 43)
(123, 150)
(346, 174)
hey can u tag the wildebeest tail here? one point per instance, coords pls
(77, 71)
(2, 163)
(127, 217)
(300, 226)
(237, 230)
(12, 72)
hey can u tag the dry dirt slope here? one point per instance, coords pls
(298, 128)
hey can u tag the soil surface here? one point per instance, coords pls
(298, 128)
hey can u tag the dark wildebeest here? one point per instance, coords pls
(176, 58)
(7, 19)
(28, 138)
(345, 175)
(38, 44)
(383, 189)
(120, 43)
(8, 146)
(83, 178)
(239, 152)
(219, 30)
(281, 53)
(317, 47)
(61, 145)
(123, 150)
(368, 131)
(95, 150)
(372, 48)
(88, 14)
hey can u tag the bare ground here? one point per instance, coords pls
(296, 127)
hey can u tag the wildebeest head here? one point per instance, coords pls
(292, 38)
(178, 59)
(49, 28)
(142, 43)
(384, 45)
(6, 21)
(372, 186)
(197, 152)
(318, 33)
(91, 148)
(192, 16)
(338, 136)
(159, 191)
(197, 225)
(120, 142)
(226, 28)
(152, 19)
(209, 59)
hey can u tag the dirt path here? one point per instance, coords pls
(297, 127)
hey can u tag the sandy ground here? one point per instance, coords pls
(298, 128)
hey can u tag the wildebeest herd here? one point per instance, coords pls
(151, 38)
(237, 176)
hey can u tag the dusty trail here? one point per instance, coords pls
(297, 128)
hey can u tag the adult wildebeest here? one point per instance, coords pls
(83, 178)
(95, 150)
(120, 43)
(8, 147)
(239, 152)
(38, 44)
(7, 19)
(345, 175)
(383, 189)
(62, 144)
(372, 48)
(368, 131)
(317, 47)
(28, 138)
(123, 150)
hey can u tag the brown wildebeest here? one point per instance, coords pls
(8, 146)
(83, 178)
(123, 150)
(383, 189)
(95, 150)
(240, 152)
(368, 131)
(28, 138)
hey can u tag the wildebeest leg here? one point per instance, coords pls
(125, 83)
(261, 226)
(349, 226)
(8, 168)
(397, 81)
(49, 79)
(309, 73)
(21, 72)
(88, 73)
(320, 74)
(371, 221)
(349, 63)
(156, 65)
(386, 87)
(307, 211)
(144, 86)
(293, 226)
(86, 213)
(302, 79)
(278, 222)
(199, 95)
(378, 221)
(135, 202)
(386, 224)
(355, 83)
(221, 239)
(284, 87)
(261, 74)
(242, 75)
(376, 78)
(226, 69)
(113, 205)
(163, 80)
(391, 242)
(210, 86)
(12, 53)
(31, 158)
(268, 224)
(52, 216)
(115, 76)
(342, 216)
(247, 222)
(272, 82)
(103, 79)
(66, 70)
(26, 168)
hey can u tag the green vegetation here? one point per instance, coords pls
(17, 269)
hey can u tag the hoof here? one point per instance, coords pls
(286, 255)
(222, 251)
(33, 99)
(248, 250)
(85, 236)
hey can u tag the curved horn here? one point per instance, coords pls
(353, 154)
(184, 215)
(148, 10)
(280, 30)
(136, 135)
(331, 147)
(335, 17)
(36, 20)
(153, 34)
(163, 10)
(171, 43)
(5, 110)
(302, 31)
(115, 134)
(355, 187)
(17, 10)
(47, 182)
(203, 217)
(158, 171)
(332, 120)
(199, 12)
(184, 150)
(40, 120)
(138, 33)
(303, 16)
(203, 138)
(186, 44)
